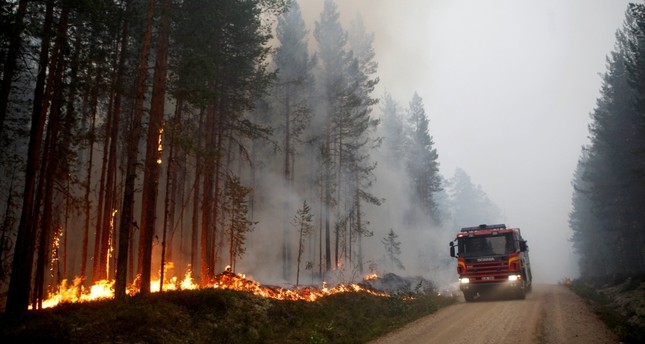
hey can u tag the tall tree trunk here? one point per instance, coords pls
(199, 166)
(71, 113)
(48, 180)
(207, 201)
(7, 226)
(11, 59)
(328, 202)
(102, 187)
(217, 194)
(168, 218)
(87, 202)
(286, 211)
(359, 225)
(52, 155)
(153, 154)
(20, 283)
(339, 199)
(134, 137)
(173, 189)
(108, 179)
(196, 192)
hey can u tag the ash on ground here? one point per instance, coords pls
(394, 284)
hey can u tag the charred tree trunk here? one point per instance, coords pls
(108, 182)
(50, 165)
(87, 202)
(152, 168)
(218, 194)
(134, 137)
(52, 156)
(359, 226)
(20, 283)
(91, 137)
(196, 192)
(102, 188)
(71, 113)
(286, 250)
(174, 189)
(328, 203)
(208, 200)
(7, 226)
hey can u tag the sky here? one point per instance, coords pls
(508, 86)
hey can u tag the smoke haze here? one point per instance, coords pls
(508, 87)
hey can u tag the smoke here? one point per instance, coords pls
(508, 87)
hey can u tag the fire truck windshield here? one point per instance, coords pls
(486, 245)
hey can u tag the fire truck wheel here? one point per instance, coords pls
(521, 292)
(469, 296)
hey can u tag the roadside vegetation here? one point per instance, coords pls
(220, 316)
(619, 301)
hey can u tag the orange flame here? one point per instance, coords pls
(104, 289)
(371, 277)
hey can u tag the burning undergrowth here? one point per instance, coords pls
(224, 315)
(76, 292)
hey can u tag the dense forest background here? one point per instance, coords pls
(609, 182)
(197, 135)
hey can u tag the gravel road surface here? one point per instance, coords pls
(549, 314)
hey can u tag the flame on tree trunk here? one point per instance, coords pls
(153, 153)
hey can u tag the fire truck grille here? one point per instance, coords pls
(483, 272)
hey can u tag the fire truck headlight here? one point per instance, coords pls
(464, 280)
(513, 277)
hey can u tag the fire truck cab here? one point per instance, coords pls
(492, 258)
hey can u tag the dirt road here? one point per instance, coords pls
(550, 314)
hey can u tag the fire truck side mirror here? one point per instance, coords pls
(452, 249)
(523, 246)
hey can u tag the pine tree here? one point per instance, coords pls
(236, 207)
(392, 250)
(608, 204)
(132, 153)
(302, 222)
(361, 135)
(470, 204)
(221, 71)
(20, 283)
(292, 89)
(423, 164)
(392, 131)
(152, 168)
(587, 237)
(331, 40)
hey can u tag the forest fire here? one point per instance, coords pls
(229, 280)
(104, 289)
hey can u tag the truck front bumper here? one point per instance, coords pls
(481, 284)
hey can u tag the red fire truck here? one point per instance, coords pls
(492, 258)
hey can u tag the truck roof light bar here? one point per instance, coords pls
(484, 226)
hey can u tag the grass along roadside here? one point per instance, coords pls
(619, 301)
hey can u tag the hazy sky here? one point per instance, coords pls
(508, 86)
